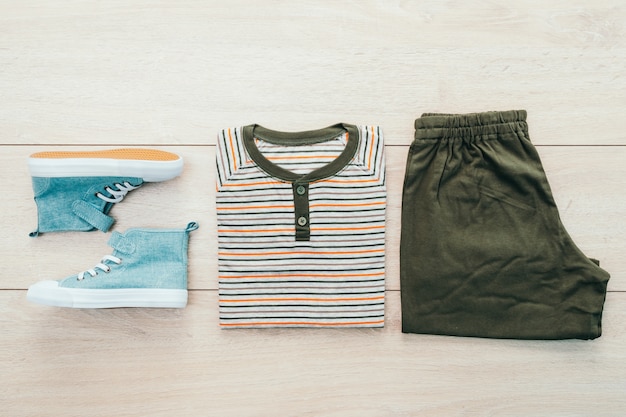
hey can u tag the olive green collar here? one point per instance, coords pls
(301, 138)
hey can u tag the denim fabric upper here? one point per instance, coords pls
(151, 258)
(71, 204)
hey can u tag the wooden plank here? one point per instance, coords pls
(157, 362)
(90, 73)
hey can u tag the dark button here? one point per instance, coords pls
(301, 189)
(302, 220)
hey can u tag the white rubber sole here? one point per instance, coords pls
(94, 166)
(49, 293)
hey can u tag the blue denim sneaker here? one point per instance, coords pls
(148, 268)
(74, 191)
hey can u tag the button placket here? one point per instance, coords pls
(301, 210)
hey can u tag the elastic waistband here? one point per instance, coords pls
(493, 124)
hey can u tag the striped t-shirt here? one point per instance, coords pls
(301, 227)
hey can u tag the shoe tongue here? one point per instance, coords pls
(121, 243)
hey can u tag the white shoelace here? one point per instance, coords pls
(102, 266)
(118, 195)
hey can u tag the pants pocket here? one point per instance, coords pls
(503, 197)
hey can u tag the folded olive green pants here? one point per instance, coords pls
(483, 251)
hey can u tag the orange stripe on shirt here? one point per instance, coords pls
(287, 275)
(369, 162)
(251, 184)
(291, 229)
(302, 323)
(219, 207)
(353, 252)
(326, 300)
(232, 150)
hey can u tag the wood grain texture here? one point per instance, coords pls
(155, 362)
(124, 72)
(169, 75)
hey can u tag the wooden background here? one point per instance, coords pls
(170, 74)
